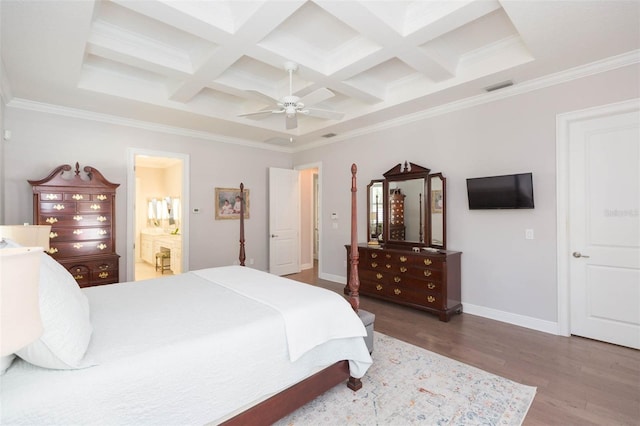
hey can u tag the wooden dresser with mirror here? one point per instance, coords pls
(406, 260)
(80, 207)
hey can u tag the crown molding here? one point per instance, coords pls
(28, 105)
(608, 64)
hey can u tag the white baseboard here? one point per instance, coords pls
(511, 318)
(331, 277)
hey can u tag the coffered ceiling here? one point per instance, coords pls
(198, 65)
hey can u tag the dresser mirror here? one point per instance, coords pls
(375, 211)
(412, 210)
(438, 210)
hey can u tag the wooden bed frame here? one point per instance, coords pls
(294, 397)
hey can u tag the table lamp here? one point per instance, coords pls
(20, 322)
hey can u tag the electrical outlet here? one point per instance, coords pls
(528, 234)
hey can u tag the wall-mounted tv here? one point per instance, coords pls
(501, 192)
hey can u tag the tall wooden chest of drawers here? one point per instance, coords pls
(426, 280)
(80, 207)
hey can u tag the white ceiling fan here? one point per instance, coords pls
(291, 105)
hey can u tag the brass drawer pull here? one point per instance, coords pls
(374, 265)
(78, 197)
(78, 277)
(101, 218)
(102, 246)
(403, 269)
(101, 197)
(397, 291)
(431, 299)
(431, 286)
(52, 250)
(374, 255)
(396, 279)
(378, 287)
(427, 273)
(103, 267)
(102, 232)
(95, 207)
(388, 266)
(388, 256)
(77, 246)
(51, 220)
(59, 207)
(77, 231)
(53, 235)
(77, 218)
(103, 274)
(379, 276)
(428, 262)
(50, 196)
(403, 259)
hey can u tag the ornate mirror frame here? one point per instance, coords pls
(375, 210)
(426, 224)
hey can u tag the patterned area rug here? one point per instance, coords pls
(410, 385)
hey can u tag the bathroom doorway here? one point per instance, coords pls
(158, 221)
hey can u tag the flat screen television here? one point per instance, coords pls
(501, 192)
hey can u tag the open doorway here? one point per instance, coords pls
(158, 221)
(310, 219)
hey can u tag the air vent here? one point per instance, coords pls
(329, 135)
(499, 86)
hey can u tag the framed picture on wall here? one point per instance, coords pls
(227, 203)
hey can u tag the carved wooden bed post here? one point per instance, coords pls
(354, 279)
(242, 257)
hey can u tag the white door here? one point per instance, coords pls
(284, 221)
(604, 228)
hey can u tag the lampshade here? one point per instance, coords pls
(27, 235)
(20, 322)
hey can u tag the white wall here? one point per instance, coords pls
(503, 275)
(42, 141)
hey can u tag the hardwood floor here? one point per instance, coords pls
(579, 381)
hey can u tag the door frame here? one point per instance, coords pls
(131, 211)
(563, 125)
(318, 167)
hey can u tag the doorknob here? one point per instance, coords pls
(273, 235)
(578, 254)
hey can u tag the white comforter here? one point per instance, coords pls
(189, 349)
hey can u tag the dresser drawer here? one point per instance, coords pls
(64, 249)
(76, 219)
(50, 196)
(80, 273)
(76, 196)
(79, 234)
(57, 207)
(94, 206)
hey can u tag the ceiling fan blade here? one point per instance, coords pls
(291, 122)
(317, 96)
(259, 114)
(323, 113)
(259, 96)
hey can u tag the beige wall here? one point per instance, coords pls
(502, 273)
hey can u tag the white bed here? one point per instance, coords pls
(189, 349)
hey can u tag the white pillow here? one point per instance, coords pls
(65, 316)
(5, 363)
